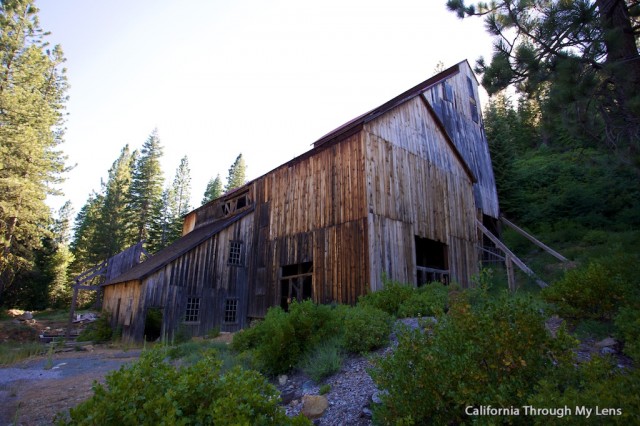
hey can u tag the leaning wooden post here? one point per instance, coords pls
(511, 279)
(72, 312)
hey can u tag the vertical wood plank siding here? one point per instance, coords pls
(416, 186)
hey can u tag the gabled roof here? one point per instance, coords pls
(177, 249)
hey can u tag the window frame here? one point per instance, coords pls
(192, 310)
(230, 310)
(235, 257)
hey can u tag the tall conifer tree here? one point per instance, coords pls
(32, 97)
(237, 174)
(214, 189)
(146, 187)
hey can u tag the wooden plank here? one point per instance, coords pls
(533, 239)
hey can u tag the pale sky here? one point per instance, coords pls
(218, 78)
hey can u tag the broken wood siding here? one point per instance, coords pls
(456, 102)
(416, 187)
(312, 210)
(122, 302)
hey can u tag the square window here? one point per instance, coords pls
(192, 313)
(230, 310)
(235, 253)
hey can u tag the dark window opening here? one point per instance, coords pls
(153, 324)
(235, 253)
(474, 110)
(296, 283)
(470, 86)
(192, 312)
(236, 203)
(432, 263)
(447, 92)
(230, 311)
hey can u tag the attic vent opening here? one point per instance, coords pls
(236, 203)
(296, 283)
(432, 261)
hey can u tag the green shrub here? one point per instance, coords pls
(153, 392)
(470, 357)
(97, 331)
(324, 389)
(280, 341)
(594, 292)
(597, 383)
(366, 328)
(428, 300)
(627, 323)
(389, 299)
(323, 360)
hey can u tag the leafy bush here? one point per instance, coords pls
(470, 357)
(389, 299)
(428, 300)
(153, 392)
(595, 383)
(594, 292)
(628, 324)
(279, 341)
(366, 328)
(97, 331)
(324, 360)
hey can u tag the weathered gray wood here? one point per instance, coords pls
(533, 239)
(519, 263)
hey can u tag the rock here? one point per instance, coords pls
(375, 398)
(26, 316)
(605, 343)
(607, 350)
(366, 413)
(282, 379)
(307, 387)
(314, 406)
(287, 396)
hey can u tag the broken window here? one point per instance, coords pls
(236, 203)
(235, 253)
(230, 311)
(296, 283)
(432, 263)
(473, 105)
(192, 312)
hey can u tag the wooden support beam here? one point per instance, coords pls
(531, 238)
(508, 253)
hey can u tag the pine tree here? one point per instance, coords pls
(32, 97)
(116, 232)
(214, 189)
(83, 245)
(146, 187)
(237, 174)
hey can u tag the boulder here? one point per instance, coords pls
(314, 406)
(606, 343)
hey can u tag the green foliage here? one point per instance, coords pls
(491, 355)
(237, 174)
(323, 360)
(628, 330)
(597, 383)
(324, 389)
(213, 190)
(153, 392)
(389, 299)
(596, 291)
(366, 328)
(279, 342)
(97, 331)
(33, 89)
(10, 353)
(429, 300)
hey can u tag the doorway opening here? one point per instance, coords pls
(296, 283)
(153, 324)
(432, 261)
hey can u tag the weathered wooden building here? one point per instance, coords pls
(394, 192)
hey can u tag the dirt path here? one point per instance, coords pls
(33, 391)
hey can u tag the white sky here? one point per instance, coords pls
(219, 78)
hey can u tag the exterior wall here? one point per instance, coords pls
(452, 102)
(122, 302)
(415, 187)
(312, 210)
